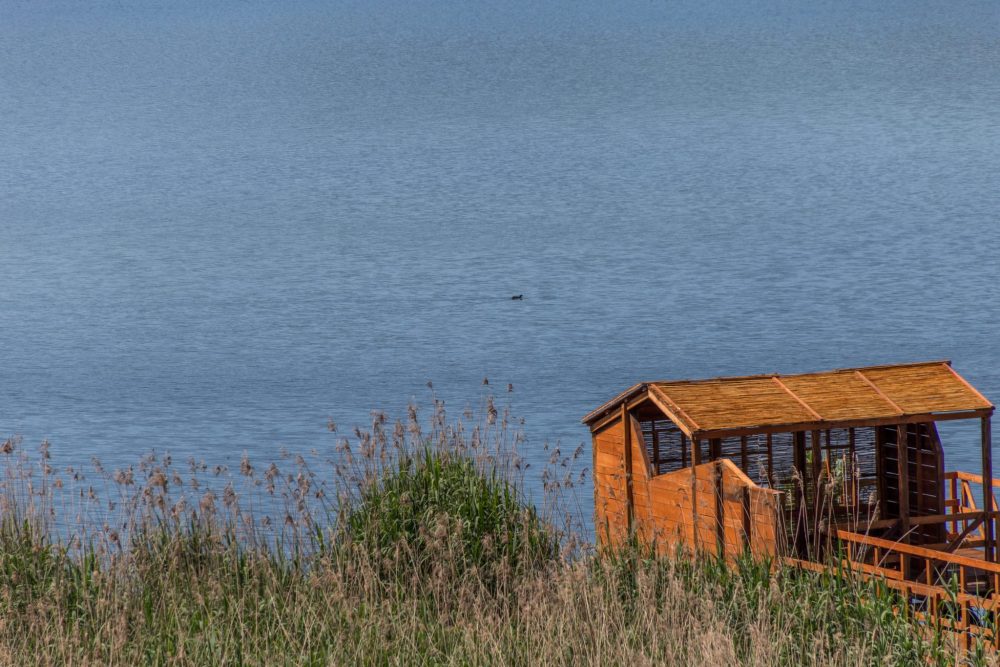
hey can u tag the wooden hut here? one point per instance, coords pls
(804, 466)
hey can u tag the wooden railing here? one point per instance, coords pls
(954, 592)
(963, 520)
(961, 499)
(950, 584)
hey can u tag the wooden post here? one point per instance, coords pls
(817, 462)
(989, 530)
(593, 479)
(817, 473)
(801, 511)
(852, 469)
(799, 453)
(695, 460)
(903, 470)
(918, 455)
(714, 449)
(720, 510)
(957, 503)
(747, 523)
(770, 462)
(880, 470)
(627, 430)
(656, 450)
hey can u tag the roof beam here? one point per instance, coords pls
(851, 423)
(791, 393)
(676, 413)
(966, 383)
(895, 406)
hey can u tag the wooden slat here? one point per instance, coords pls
(957, 542)
(712, 506)
(927, 520)
(788, 427)
(695, 460)
(987, 453)
(656, 449)
(903, 472)
(874, 569)
(627, 430)
(914, 550)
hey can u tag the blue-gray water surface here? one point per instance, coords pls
(222, 224)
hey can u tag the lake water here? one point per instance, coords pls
(222, 224)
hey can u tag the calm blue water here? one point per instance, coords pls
(223, 223)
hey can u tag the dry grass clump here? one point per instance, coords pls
(406, 545)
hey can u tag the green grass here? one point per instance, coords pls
(426, 552)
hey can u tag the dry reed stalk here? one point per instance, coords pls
(162, 564)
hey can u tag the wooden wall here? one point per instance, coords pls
(610, 513)
(715, 507)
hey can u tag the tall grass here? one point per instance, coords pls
(410, 543)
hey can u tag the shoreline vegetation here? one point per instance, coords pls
(412, 542)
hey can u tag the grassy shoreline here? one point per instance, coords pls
(417, 546)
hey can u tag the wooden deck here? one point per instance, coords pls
(951, 585)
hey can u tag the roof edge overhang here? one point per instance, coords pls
(606, 408)
(649, 391)
(831, 371)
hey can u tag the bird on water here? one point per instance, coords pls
(517, 297)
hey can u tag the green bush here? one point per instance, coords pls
(443, 503)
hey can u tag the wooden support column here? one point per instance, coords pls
(817, 474)
(903, 468)
(695, 460)
(770, 462)
(626, 421)
(714, 449)
(817, 460)
(656, 450)
(880, 470)
(747, 523)
(989, 528)
(720, 509)
(919, 467)
(801, 512)
(852, 468)
(593, 479)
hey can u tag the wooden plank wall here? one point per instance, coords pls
(722, 511)
(610, 512)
